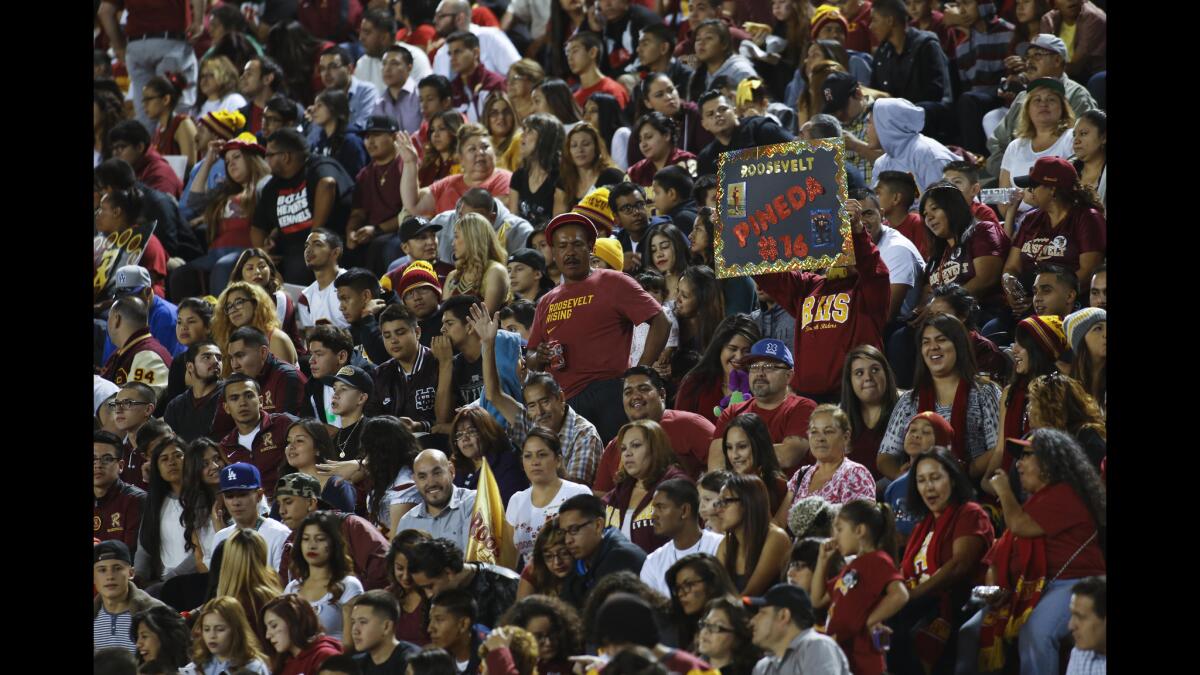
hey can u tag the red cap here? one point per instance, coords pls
(417, 275)
(1053, 171)
(571, 218)
(943, 433)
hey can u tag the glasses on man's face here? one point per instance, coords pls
(235, 305)
(761, 367)
(574, 530)
(686, 587)
(713, 627)
(125, 404)
(104, 460)
(632, 208)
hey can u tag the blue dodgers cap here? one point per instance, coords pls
(240, 476)
(770, 348)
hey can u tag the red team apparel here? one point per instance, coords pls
(690, 435)
(266, 451)
(833, 316)
(594, 320)
(141, 359)
(1082, 231)
(1068, 525)
(789, 419)
(852, 595)
(957, 266)
(118, 514)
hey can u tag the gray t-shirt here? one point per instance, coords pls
(807, 653)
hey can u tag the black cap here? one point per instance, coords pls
(414, 226)
(381, 123)
(529, 257)
(355, 377)
(625, 617)
(111, 550)
(787, 596)
(837, 91)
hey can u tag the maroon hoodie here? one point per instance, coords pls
(642, 527)
(308, 661)
(159, 175)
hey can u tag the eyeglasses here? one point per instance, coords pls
(105, 460)
(714, 627)
(632, 208)
(125, 404)
(761, 367)
(722, 503)
(464, 435)
(574, 530)
(555, 556)
(235, 305)
(686, 587)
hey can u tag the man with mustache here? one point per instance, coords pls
(191, 413)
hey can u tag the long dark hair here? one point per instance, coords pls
(544, 581)
(197, 497)
(704, 222)
(878, 519)
(715, 579)
(678, 243)
(566, 626)
(609, 116)
(551, 138)
(303, 626)
(170, 85)
(709, 370)
(340, 563)
(964, 355)
(172, 633)
(556, 59)
(321, 441)
(150, 535)
(492, 439)
(756, 522)
(961, 490)
(850, 402)
(338, 103)
(402, 544)
(1040, 363)
(1062, 460)
(295, 50)
(710, 305)
(1091, 371)
(958, 212)
(276, 281)
(744, 652)
(387, 446)
(761, 445)
(561, 101)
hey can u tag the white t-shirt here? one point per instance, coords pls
(281, 297)
(409, 495)
(1019, 157)
(370, 68)
(495, 50)
(618, 147)
(275, 532)
(247, 440)
(328, 611)
(232, 101)
(320, 303)
(642, 330)
(527, 519)
(171, 550)
(534, 12)
(654, 570)
(905, 265)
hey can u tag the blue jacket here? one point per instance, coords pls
(508, 352)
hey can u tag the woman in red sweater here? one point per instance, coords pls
(295, 642)
(707, 383)
(646, 461)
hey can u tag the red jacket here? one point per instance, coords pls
(132, 363)
(367, 547)
(267, 448)
(159, 175)
(832, 316)
(282, 386)
(308, 662)
(118, 514)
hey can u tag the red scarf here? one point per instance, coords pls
(1016, 425)
(927, 399)
(1004, 623)
(930, 641)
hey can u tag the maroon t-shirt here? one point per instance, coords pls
(377, 191)
(267, 448)
(1065, 519)
(853, 594)
(156, 173)
(1082, 231)
(957, 266)
(153, 16)
(690, 435)
(980, 210)
(594, 320)
(643, 171)
(789, 419)
(864, 447)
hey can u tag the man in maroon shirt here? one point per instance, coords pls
(299, 495)
(139, 357)
(644, 397)
(834, 312)
(258, 437)
(117, 511)
(375, 209)
(131, 142)
(473, 83)
(786, 415)
(282, 384)
(132, 407)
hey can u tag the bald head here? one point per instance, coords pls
(434, 475)
(127, 316)
(452, 16)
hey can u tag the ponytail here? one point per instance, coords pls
(169, 84)
(1081, 195)
(877, 518)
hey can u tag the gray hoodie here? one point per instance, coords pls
(898, 123)
(512, 229)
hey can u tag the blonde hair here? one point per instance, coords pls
(1063, 403)
(245, 574)
(839, 416)
(244, 648)
(500, 145)
(224, 72)
(483, 248)
(524, 649)
(247, 194)
(660, 451)
(265, 319)
(1025, 128)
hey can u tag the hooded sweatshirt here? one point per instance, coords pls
(508, 352)
(308, 661)
(898, 124)
(513, 231)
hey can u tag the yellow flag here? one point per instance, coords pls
(490, 537)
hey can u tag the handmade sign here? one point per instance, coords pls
(112, 252)
(781, 208)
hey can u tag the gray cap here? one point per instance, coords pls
(1049, 42)
(131, 279)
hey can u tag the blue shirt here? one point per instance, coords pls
(163, 315)
(215, 175)
(896, 496)
(405, 108)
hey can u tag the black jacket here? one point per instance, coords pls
(190, 419)
(751, 133)
(615, 554)
(684, 215)
(411, 396)
(919, 74)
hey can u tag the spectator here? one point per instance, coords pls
(621, 22)
(192, 412)
(896, 192)
(247, 306)
(523, 77)
(585, 165)
(681, 527)
(1084, 28)
(532, 187)
(419, 242)
(405, 384)
(656, 136)
(947, 383)
(979, 57)
(357, 290)
(528, 510)
(1090, 148)
(647, 462)
(377, 35)
(219, 84)
(868, 397)
(479, 259)
(437, 567)
(585, 54)
(336, 69)
(309, 444)
(132, 407)
(262, 79)
(399, 97)
(452, 621)
(627, 621)
(256, 431)
(501, 122)
(445, 509)
(420, 291)
(895, 127)
(825, 125)
(655, 50)
(1087, 331)
(660, 93)
(598, 550)
(433, 660)
(161, 638)
(832, 476)
(174, 133)
(387, 450)
(496, 51)
(924, 16)
(476, 437)
(753, 544)
(118, 508)
(411, 604)
(527, 278)
(1089, 626)
(550, 565)
(479, 170)
(117, 598)
(791, 642)
(256, 267)
(943, 560)
(436, 104)
(1064, 517)
(323, 572)
(333, 135)
(136, 281)
(715, 57)
(553, 97)
(472, 83)
(899, 253)
(374, 617)
(140, 358)
(244, 573)
(518, 317)
(965, 176)
(153, 41)
(107, 111)
(226, 640)
(556, 627)
(908, 63)
(305, 193)
(295, 640)
(668, 252)
(964, 251)
(1055, 291)
(720, 119)
(1044, 129)
(704, 386)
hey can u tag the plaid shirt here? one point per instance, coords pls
(581, 446)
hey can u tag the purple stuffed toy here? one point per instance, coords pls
(739, 390)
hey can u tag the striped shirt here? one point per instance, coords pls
(581, 446)
(980, 56)
(112, 630)
(1086, 662)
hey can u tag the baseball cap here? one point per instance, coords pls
(111, 550)
(240, 476)
(1054, 171)
(837, 91)
(418, 273)
(1047, 41)
(415, 226)
(770, 348)
(571, 218)
(786, 596)
(303, 486)
(382, 123)
(355, 377)
(1051, 83)
(529, 257)
(131, 279)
